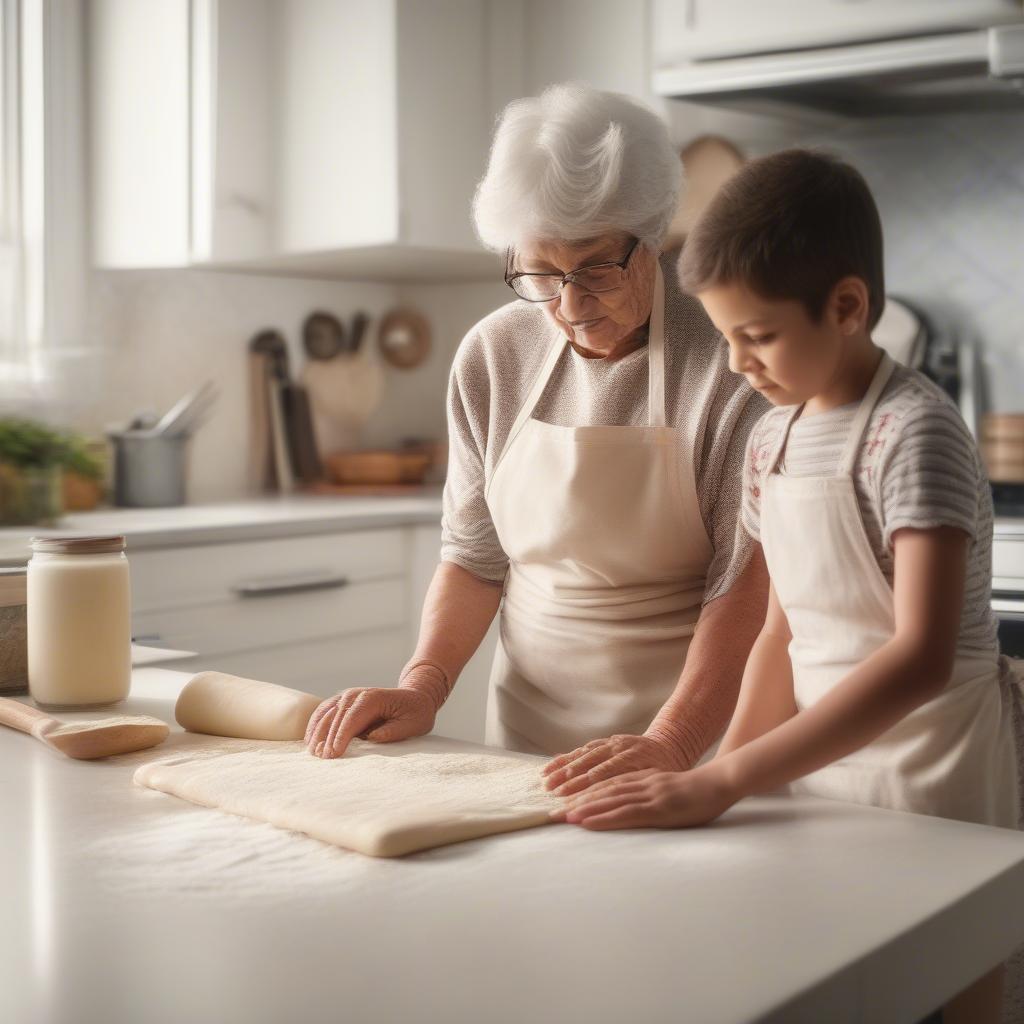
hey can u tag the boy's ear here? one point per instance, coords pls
(849, 304)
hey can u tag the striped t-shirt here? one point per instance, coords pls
(918, 466)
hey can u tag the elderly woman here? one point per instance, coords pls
(597, 439)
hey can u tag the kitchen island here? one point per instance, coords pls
(125, 905)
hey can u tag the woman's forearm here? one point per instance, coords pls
(876, 695)
(457, 612)
(766, 694)
(705, 697)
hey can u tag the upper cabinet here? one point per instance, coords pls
(337, 137)
(708, 29)
(180, 144)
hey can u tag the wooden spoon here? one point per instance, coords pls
(85, 740)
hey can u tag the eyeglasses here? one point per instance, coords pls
(598, 277)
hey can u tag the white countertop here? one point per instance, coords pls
(235, 520)
(125, 905)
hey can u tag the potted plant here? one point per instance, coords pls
(33, 462)
(84, 469)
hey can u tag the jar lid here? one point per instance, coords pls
(77, 545)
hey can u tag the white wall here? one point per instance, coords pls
(156, 334)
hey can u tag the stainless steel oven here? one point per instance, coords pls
(1008, 583)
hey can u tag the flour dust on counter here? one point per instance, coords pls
(383, 800)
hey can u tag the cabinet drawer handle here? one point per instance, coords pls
(1010, 608)
(274, 588)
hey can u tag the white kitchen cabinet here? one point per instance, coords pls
(245, 624)
(338, 137)
(318, 612)
(604, 43)
(323, 666)
(179, 114)
(254, 571)
(707, 29)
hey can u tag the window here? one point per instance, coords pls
(41, 196)
(21, 190)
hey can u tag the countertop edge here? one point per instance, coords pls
(245, 522)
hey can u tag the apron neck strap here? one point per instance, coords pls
(864, 411)
(857, 428)
(555, 350)
(780, 446)
(656, 352)
(655, 369)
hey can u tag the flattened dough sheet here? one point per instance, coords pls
(384, 800)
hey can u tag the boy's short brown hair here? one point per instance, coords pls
(789, 226)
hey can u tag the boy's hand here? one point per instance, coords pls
(652, 799)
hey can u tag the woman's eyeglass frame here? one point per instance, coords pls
(570, 278)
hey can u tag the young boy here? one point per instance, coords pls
(877, 676)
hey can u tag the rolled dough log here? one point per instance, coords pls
(384, 800)
(224, 705)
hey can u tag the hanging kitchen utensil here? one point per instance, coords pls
(360, 322)
(302, 446)
(344, 392)
(345, 388)
(404, 338)
(323, 336)
(270, 379)
(902, 332)
(272, 343)
(709, 161)
(261, 469)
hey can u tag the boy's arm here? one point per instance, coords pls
(913, 667)
(766, 692)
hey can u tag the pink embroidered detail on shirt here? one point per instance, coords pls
(878, 436)
(759, 454)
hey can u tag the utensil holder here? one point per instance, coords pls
(149, 469)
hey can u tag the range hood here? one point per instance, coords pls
(951, 71)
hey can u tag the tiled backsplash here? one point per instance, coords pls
(951, 194)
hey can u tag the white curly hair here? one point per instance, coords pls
(577, 163)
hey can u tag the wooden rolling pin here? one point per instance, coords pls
(220, 704)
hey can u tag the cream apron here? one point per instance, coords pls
(607, 560)
(954, 756)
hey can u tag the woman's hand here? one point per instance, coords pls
(604, 759)
(382, 715)
(652, 799)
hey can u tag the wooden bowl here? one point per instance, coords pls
(376, 467)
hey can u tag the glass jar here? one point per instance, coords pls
(79, 621)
